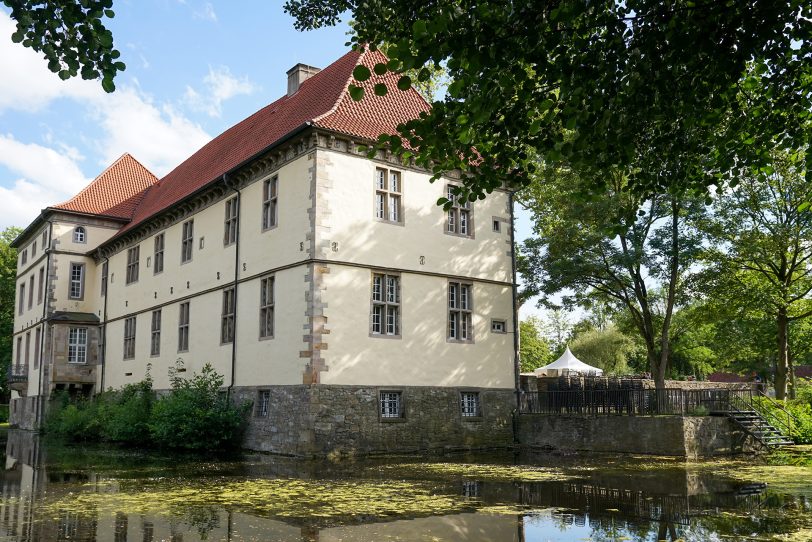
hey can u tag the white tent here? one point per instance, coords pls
(566, 364)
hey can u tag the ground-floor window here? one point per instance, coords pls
(264, 403)
(391, 404)
(469, 402)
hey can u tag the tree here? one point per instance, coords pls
(762, 249)
(608, 349)
(599, 86)
(636, 264)
(71, 35)
(534, 348)
(8, 281)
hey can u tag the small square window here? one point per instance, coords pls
(263, 404)
(497, 226)
(498, 326)
(470, 405)
(391, 405)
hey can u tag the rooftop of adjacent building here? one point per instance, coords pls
(127, 191)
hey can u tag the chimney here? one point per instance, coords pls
(298, 74)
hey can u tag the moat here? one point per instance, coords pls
(52, 491)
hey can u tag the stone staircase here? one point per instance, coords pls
(759, 428)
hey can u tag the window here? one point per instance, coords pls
(21, 302)
(263, 403)
(270, 207)
(31, 292)
(44, 239)
(498, 326)
(385, 304)
(458, 217)
(459, 311)
(79, 235)
(133, 255)
(227, 320)
(391, 405)
(155, 336)
(230, 233)
(129, 338)
(266, 307)
(497, 225)
(183, 328)
(19, 349)
(24, 257)
(27, 348)
(388, 191)
(187, 241)
(77, 281)
(37, 347)
(469, 404)
(33, 250)
(77, 344)
(41, 286)
(104, 279)
(159, 254)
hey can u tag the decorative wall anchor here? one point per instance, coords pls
(422, 260)
(301, 247)
(334, 246)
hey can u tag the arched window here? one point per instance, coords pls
(79, 235)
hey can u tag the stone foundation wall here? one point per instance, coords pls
(689, 437)
(22, 412)
(319, 420)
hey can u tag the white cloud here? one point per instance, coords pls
(219, 86)
(206, 12)
(21, 203)
(48, 168)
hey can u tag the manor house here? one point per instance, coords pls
(328, 288)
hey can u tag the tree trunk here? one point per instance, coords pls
(790, 374)
(665, 336)
(782, 361)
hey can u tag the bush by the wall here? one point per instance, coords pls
(194, 415)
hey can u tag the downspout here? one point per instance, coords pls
(515, 287)
(236, 281)
(45, 298)
(103, 360)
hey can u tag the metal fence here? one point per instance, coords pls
(632, 402)
(18, 373)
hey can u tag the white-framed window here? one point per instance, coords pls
(459, 216)
(469, 404)
(79, 234)
(33, 250)
(24, 257)
(460, 310)
(187, 241)
(385, 318)
(388, 194)
(133, 257)
(31, 292)
(77, 345)
(183, 327)
(19, 355)
(266, 307)
(104, 270)
(129, 338)
(158, 254)
(230, 232)
(270, 202)
(77, 281)
(44, 239)
(21, 299)
(498, 326)
(155, 334)
(263, 403)
(391, 404)
(227, 318)
(27, 348)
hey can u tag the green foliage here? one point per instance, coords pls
(71, 35)
(533, 346)
(608, 349)
(194, 415)
(699, 410)
(685, 93)
(8, 280)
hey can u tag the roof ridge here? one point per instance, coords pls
(100, 175)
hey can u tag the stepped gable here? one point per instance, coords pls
(116, 192)
(322, 100)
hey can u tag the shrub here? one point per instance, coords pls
(74, 419)
(196, 415)
(125, 413)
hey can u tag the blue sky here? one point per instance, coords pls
(194, 68)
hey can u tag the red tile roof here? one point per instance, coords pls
(322, 101)
(116, 192)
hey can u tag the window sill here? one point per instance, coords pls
(269, 228)
(392, 420)
(459, 341)
(268, 338)
(384, 336)
(392, 222)
(461, 235)
(473, 418)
